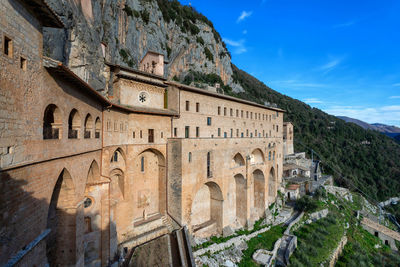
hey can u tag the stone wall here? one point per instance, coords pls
(336, 253)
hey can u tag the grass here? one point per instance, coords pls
(264, 240)
(316, 241)
(219, 239)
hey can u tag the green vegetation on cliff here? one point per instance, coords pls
(373, 168)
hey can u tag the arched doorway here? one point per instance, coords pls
(259, 192)
(271, 185)
(241, 199)
(92, 207)
(61, 220)
(149, 184)
(207, 210)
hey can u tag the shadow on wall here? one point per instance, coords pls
(72, 240)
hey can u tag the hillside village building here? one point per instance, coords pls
(86, 176)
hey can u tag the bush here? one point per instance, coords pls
(208, 54)
(306, 203)
(145, 16)
(200, 40)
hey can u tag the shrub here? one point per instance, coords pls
(306, 203)
(200, 40)
(145, 16)
(208, 54)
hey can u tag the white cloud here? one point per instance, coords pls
(385, 114)
(238, 46)
(395, 97)
(332, 64)
(312, 101)
(244, 15)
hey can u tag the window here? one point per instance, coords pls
(219, 132)
(190, 157)
(231, 112)
(247, 132)
(141, 134)
(251, 134)
(115, 127)
(237, 113)
(219, 110)
(197, 107)
(255, 133)
(88, 224)
(52, 123)
(115, 157)
(142, 164)
(277, 114)
(187, 106)
(247, 114)
(197, 131)
(241, 113)
(97, 128)
(277, 128)
(208, 120)
(22, 63)
(269, 155)
(175, 132)
(224, 111)
(74, 124)
(231, 133)
(108, 125)
(186, 131)
(133, 135)
(8, 47)
(237, 132)
(151, 135)
(162, 135)
(251, 115)
(209, 172)
(88, 126)
(242, 135)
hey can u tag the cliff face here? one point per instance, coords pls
(128, 29)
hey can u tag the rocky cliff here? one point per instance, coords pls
(122, 31)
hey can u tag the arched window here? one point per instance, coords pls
(52, 123)
(115, 157)
(74, 124)
(97, 128)
(269, 155)
(190, 156)
(273, 157)
(142, 164)
(88, 126)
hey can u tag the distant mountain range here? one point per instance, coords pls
(391, 131)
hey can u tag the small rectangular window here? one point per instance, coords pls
(175, 132)
(23, 63)
(133, 135)
(231, 133)
(186, 131)
(197, 107)
(219, 110)
(237, 132)
(8, 46)
(197, 131)
(241, 113)
(187, 105)
(231, 112)
(247, 132)
(151, 135)
(225, 135)
(251, 115)
(237, 113)
(247, 114)
(208, 120)
(162, 134)
(224, 111)
(141, 134)
(219, 132)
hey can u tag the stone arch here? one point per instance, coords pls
(207, 210)
(61, 220)
(92, 207)
(97, 129)
(257, 156)
(88, 126)
(74, 124)
(118, 159)
(52, 122)
(259, 192)
(149, 184)
(272, 185)
(241, 199)
(238, 160)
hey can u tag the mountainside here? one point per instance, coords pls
(383, 128)
(128, 29)
(197, 54)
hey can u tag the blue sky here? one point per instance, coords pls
(340, 56)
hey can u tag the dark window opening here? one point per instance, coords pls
(197, 107)
(187, 105)
(209, 172)
(197, 131)
(151, 135)
(142, 164)
(187, 132)
(175, 132)
(208, 120)
(22, 63)
(7, 48)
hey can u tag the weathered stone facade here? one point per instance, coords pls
(86, 176)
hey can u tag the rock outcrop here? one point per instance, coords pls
(122, 31)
